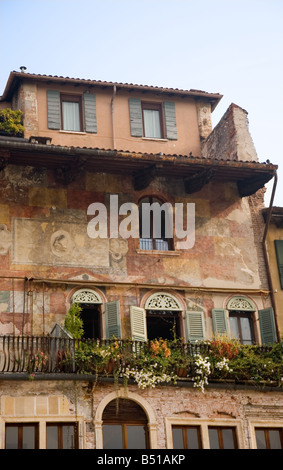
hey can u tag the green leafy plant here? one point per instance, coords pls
(73, 322)
(11, 122)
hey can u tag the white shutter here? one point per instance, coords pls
(138, 324)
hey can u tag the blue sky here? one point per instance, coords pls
(231, 47)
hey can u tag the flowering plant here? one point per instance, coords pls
(38, 362)
(152, 366)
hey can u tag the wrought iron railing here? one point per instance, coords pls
(56, 355)
(48, 354)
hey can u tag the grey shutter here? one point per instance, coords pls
(90, 112)
(53, 109)
(267, 326)
(219, 321)
(279, 255)
(195, 325)
(112, 319)
(138, 324)
(136, 117)
(170, 120)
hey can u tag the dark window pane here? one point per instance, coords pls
(228, 440)
(112, 436)
(136, 437)
(28, 437)
(178, 442)
(52, 437)
(11, 437)
(192, 438)
(68, 437)
(260, 439)
(274, 439)
(213, 438)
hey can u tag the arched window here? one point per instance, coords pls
(163, 313)
(92, 304)
(241, 319)
(159, 318)
(156, 224)
(124, 425)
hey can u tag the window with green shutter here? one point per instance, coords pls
(71, 112)
(195, 325)
(267, 326)
(279, 256)
(219, 321)
(152, 119)
(112, 319)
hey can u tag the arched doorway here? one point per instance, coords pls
(124, 425)
(144, 411)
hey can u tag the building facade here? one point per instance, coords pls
(73, 186)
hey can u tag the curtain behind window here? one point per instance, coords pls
(71, 116)
(152, 123)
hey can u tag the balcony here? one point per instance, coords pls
(145, 363)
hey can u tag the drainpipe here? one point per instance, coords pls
(112, 110)
(266, 255)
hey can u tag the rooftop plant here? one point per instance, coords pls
(11, 122)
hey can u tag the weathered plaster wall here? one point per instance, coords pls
(43, 234)
(79, 401)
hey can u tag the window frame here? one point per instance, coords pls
(126, 419)
(254, 424)
(60, 425)
(20, 427)
(219, 429)
(243, 314)
(204, 424)
(153, 106)
(266, 434)
(170, 241)
(184, 427)
(66, 97)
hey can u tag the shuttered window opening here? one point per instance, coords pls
(195, 325)
(112, 319)
(219, 321)
(279, 256)
(75, 113)
(153, 120)
(267, 326)
(241, 325)
(138, 324)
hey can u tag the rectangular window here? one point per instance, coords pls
(186, 437)
(152, 120)
(241, 327)
(269, 438)
(71, 110)
(124, 436)
(222, 437)
(61, 436)
(21, 436)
